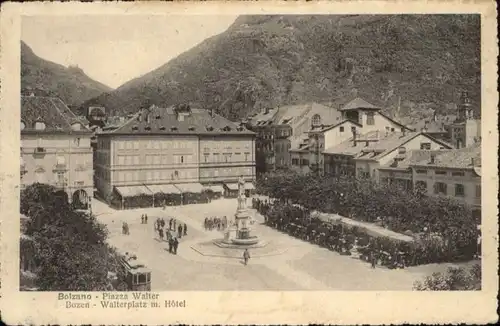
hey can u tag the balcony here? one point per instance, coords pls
(39, 151)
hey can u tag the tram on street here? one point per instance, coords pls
(135, 276)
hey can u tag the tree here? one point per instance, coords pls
(70, 249)
(456, 279)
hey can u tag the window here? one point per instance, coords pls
(121, 160)
(341, 129)
(182, 159)
(77, 141)
(421, 171)
(457, 174)
(478, 191)
(246, 156)
(157, 159)
(392, 129)
(136, 160)
(426, 146)
(459, 190)
(440, 188)
(136, 145)
(61, 160)
(402, 150)
(440, 173)
(206, 157)
(370, 118)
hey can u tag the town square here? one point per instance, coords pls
(334, 158)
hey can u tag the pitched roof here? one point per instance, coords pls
(376, 149)
(414, 156)
(51, 111)
(341, 123)
(456, 158)
(358, 103)
(181, 119)
(396, 122)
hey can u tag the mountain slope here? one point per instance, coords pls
(415, 60)
(70, 84)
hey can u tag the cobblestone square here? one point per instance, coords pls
(299, 266)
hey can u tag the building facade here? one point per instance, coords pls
(454, 173)
(175, 149)
(363, 155)
(56, 149)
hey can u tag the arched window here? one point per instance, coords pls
(75, 126)
(23, 125)
(39, 125)
(316, 120)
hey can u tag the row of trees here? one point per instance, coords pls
(398, 210)
(68, 247)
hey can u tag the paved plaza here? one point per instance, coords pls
(294, 265)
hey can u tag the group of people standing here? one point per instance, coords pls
(169, 233)
(215, 223)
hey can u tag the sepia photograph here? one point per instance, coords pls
(268, 147)
(249, 152)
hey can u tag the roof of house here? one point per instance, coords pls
(56, 115)
(412, 157)
(326, 128)
(262, 117)
(430, 126)
(368, 147)
(179, 119)
(456, 158)
(358, 103)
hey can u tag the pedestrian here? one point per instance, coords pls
(246, 256)
(176, 244)
(170, 224)
(142, 219)
(145, 218)
(174, 223)
(185, 229)
(373, 259)
(170, 245)
(161, 234)
(179, 231)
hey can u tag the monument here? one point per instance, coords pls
(240, 232)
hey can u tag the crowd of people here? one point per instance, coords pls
(215, 223)
(298, 222)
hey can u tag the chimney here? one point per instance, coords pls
(404, 132)
(433, 158)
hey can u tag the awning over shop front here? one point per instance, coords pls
(215, 188)
(249, 186)
(232, 186)
(190, 187)
(133, 191)
(164, 189)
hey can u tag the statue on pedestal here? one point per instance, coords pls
(241, 194)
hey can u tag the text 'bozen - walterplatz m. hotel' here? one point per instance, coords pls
(174, 151)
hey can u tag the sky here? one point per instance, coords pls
(116, 49)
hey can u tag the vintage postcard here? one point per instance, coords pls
(249, 162)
